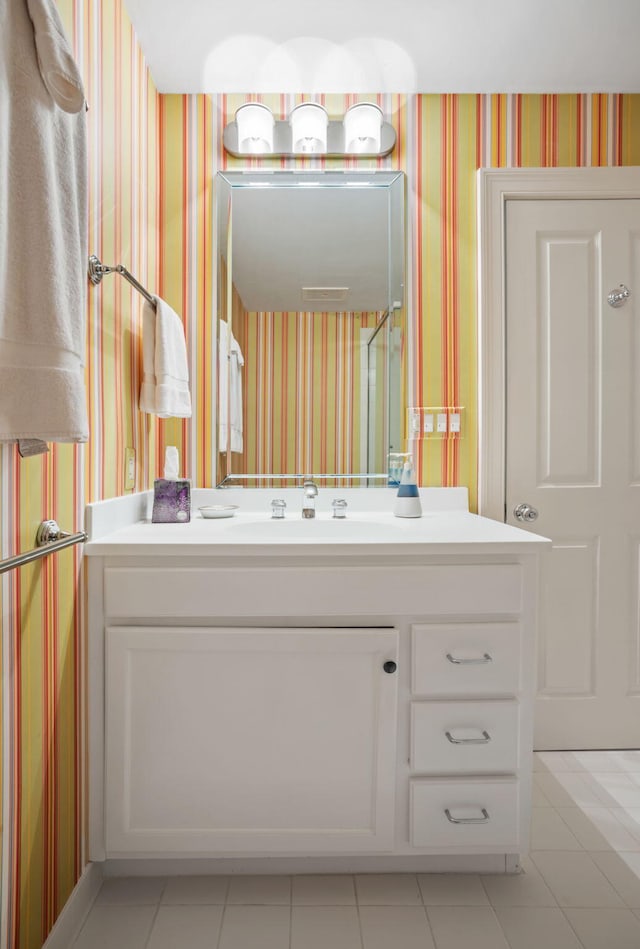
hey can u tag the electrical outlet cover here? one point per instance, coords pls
(129, 469)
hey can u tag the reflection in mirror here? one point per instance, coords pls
(310, 326)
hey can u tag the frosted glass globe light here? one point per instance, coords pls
(309, 122)
(362, 128)
(255, 128)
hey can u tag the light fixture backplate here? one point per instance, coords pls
(335, 142)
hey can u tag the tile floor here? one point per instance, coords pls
(580, 888)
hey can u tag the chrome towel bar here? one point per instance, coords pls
(97, 270)
(49, 538)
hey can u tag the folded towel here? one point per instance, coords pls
(57, 66)
(230, 361)
(165, 373)
(43, 235)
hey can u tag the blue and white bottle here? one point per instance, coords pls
(407, 502)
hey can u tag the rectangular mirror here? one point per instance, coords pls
(310, 326)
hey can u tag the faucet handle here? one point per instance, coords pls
(339, 506)
(278, 506)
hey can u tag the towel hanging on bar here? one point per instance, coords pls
(165, 384)
(165, 367)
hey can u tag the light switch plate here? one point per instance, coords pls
(129, 469)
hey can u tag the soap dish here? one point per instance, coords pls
(218, 510)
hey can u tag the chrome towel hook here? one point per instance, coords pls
(619, 297)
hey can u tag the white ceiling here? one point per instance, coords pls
(381, 46)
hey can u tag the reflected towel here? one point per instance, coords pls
(165, 380)
(229, 390)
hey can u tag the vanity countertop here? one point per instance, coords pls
(446, 528)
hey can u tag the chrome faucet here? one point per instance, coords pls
(309, 502)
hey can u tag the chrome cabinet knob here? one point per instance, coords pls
(524, 512)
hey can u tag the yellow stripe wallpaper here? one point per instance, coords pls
(442, 141)
(300, 366)
(153, 160)
(43, 649)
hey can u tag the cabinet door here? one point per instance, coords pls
(249, 740)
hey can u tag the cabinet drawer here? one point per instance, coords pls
(466, 659)
(311, 591)
(465, 814)
(464, 737)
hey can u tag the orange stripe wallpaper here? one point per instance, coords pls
(42, 610)
(442, 141)
(298, 367)
(152, 164)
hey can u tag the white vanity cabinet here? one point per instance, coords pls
(250, 739)
(363, 706)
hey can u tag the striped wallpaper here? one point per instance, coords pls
(442, 141)
(153, 159)
(302, 391)
(42, 610)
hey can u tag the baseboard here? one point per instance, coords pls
(70, 921)
(428, 863)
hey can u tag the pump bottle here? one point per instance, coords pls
(407, 502)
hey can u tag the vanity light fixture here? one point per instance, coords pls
(254, 123)
(309, 122)
(362, 127)
(309, 131)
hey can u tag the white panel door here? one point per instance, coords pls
(250, 740)
(573, 454)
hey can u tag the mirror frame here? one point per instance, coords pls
(395, 182)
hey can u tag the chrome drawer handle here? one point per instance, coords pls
(470, 662)
(468, 820)
(469, 741)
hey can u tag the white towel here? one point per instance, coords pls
(165, 380)
(230, 361)
(43, 233)
(57, 66)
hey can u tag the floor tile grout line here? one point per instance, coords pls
(573, 930)
(634, 834)
(290, 912)
(501, 928)
(153, 922)
(433, 935)
(358, 914)
(609, 849)
(222, 916)
(611, 883)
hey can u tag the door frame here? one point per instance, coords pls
(496, 187)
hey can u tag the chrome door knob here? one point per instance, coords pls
(524, 512)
